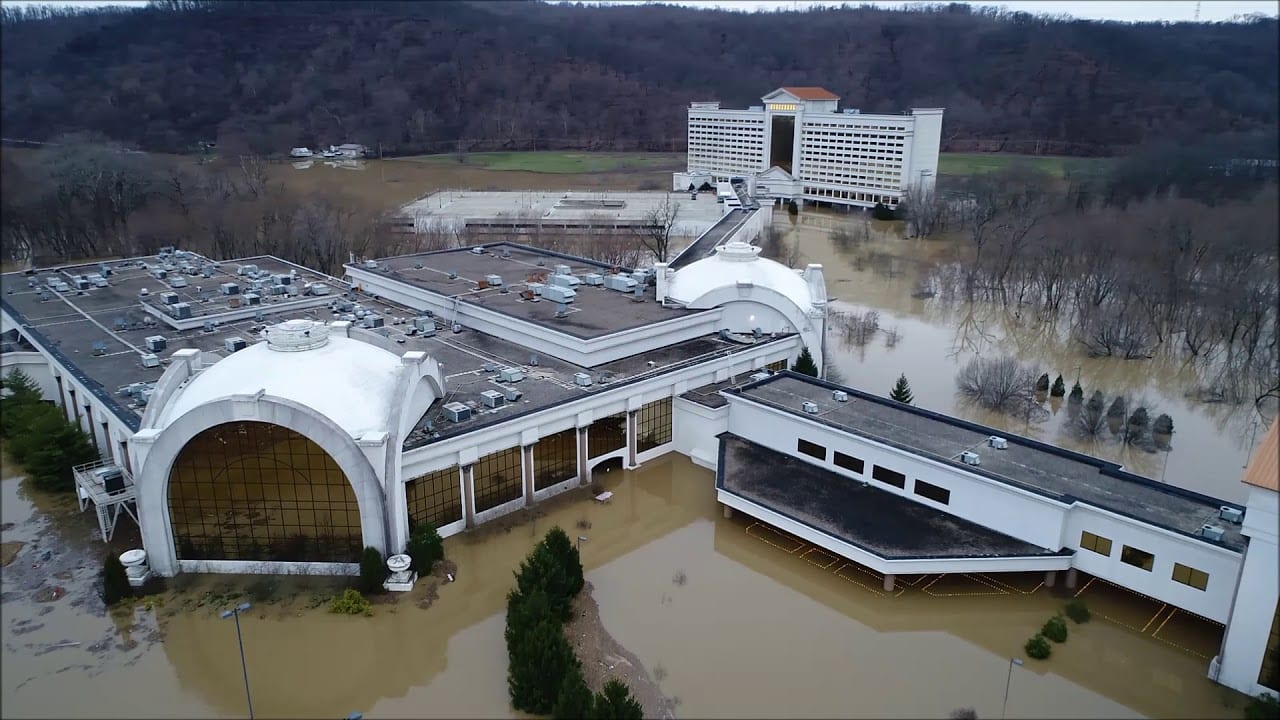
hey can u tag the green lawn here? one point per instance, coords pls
(974, 163)
(563, 162)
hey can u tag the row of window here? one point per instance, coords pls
(847, 180)
(1143, 560)
(879, 473)
(850, 195)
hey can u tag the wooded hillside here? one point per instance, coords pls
(428, 77)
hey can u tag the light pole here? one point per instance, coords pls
(1007, 680)
(581, 539)
(235, 613)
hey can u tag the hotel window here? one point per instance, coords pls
(555, 458)
(498, 479)
(435, 497)
(607, 435)
(811, 449)
(1096, 543)
(1137, 558)
(653, 425)
(1197, 579)
(932, 492)
(889, 477)
(848, 462)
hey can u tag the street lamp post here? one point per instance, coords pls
(1007, 680)
(581, 539)
(235, 613)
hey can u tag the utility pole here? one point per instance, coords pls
(1197, 12)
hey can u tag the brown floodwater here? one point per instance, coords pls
(735, 621)
(1211, 442)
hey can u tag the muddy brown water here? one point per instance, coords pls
(1211, 442)
(735, 620)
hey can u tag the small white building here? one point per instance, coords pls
(350, 150)
(300, 152)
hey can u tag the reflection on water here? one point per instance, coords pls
(751, 630)
(1211, 443)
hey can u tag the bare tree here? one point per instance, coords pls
(1000, 383)
(655, 232)
(774, 247)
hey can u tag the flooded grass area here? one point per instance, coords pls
(728, 616)
(562, 162)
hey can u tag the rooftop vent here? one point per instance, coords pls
(99, 348)
(595, 279)
(229, 288)
(840, 396)
(758, 376)
(478, 250)
(533, 361)
(371, 264)
(156, 343)
(150, 360)
(998, 442)
(510, 374)
(582, 379)
(493, 398)
(457, 412)
(1212, 532)
(490, 367)
(970, 458)
(493, 280)
(235, 343)
(1230, 514)
(810, 407)
(511, 394)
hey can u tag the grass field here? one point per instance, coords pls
(561, 162)
(975, 163)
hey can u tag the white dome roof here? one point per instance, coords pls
(736, 262)
(350, 382)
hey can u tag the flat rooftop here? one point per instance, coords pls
(70, 324)
(1028, 464)
(880, 522)
(452, 208)
(595, 312)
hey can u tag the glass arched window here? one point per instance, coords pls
(261, 492)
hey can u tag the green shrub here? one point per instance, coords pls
(1263, 707)
(1078, 611)
(372, 571)
(351, 602)
(574, 701)
(1055, 629)
(1038, 648)
(793, 208)
(1059, 388)
(115, 581)
(883, 212)
(425, 546)
(614, 702)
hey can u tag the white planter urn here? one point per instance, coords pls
(402, 578)
(135, 566)
(399, 563)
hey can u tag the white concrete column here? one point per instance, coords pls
(584, 476)
(526, 466)
(1245, 641)
(631, 439)
(728, 511)
(1072, 579)
(1050, 578)
(888, 583)
(468, 494)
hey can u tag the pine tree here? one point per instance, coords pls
(574, 702)
(614, 702)
(1077, 394)
(1042, 383)
(805, 364)
(51, 447)
(560, 548)
(115, 581)
(425, 547)
(1059, 388)
(902, 390)
(538, 665)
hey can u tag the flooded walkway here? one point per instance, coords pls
(732, 620)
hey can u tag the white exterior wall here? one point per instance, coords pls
(1255, 601)
(35, 366)
(1027, 516)
(726, 142)
(922, 169)
(694, 429)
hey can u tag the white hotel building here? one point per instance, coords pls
(799, 147)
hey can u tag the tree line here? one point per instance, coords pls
(261, 77)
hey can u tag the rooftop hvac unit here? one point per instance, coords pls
(582, 379)
(99, 348)
(229, 289)
(621, 283)
(282, 279)
(998, 442)
(158, 273)
(810, 407)
(456, 328)
(234, 301)
(208, 326)
(537, 288)
(562, 270)
(970, 458)
(1230, 514)
(156, 343)
(370, 264)
(279, 289)
(252, 299)
(758, 376)
(510, 374)
(1212, 532)
(104, 270)
(181, 311)
(373, 321)
(490, 367)
(318, 289)
(98, 281)
(169, 298)
(293, 289)
(177, 281)
(82, 283)
(558, 294)
(568, 281)
(479, 250)
(493, 398)
(493, 280)
(595, 279)
(511, 394)
(424, 323)
(457, 412)
(234, 344)
(840, 396)
(150, 360)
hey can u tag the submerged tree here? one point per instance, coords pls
(1042, 383)
(902, 390)
(1091, 421)
(1136, 429)
(805, 364)
(1059, 388)
(1000, 383)
(1077, 394)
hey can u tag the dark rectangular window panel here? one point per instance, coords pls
(811, 449)
(498, 479)
(932, 492)
(1096, 543)
(889, 477)
(1187, 575)
(1137, 558)
(434, 498)
(607, 435)
(555, 458)
(848, 462)
(653, 425)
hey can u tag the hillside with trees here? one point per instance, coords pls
(260, 77)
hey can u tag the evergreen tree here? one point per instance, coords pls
(805, 364)
(51, 447)
(1077, 394)
(560, 547)
(1042, 383)
(425, 547)
(1117, 409)
(544, 572)
(614, 702)
(539, 663)
(1163, 425)
(115, 580)
(1138, 424)
(1059, 388)
(372, 571)
(574, 702)
(902, 390)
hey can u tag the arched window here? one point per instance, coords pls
(261, 492)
